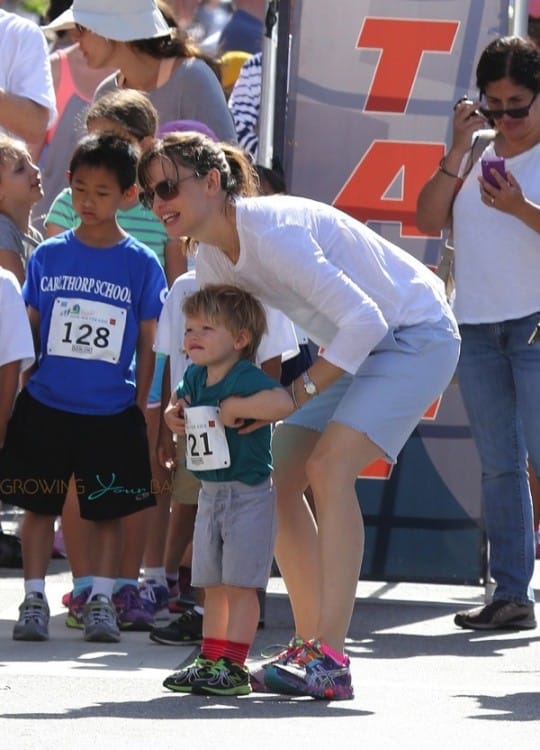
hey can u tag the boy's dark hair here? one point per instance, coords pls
(130, 109)
(114, 154)
(232, 307)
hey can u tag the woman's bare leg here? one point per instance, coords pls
(338, 457)
(297, 547)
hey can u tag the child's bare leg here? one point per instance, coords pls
(77, 535)
(244, 611)
(216, 613)
(107, 538)
(37, 537)
(133, 538)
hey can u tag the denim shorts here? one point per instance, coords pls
(386, 398)
(233, 540)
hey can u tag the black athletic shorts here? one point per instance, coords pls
(107, 456)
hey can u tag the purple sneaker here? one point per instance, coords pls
(155, 599)
(130, 609)
(312, 672)
(76, 604)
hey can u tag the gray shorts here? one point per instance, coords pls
(235, 529)
(393, 387)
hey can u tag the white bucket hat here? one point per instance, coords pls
(121, 20)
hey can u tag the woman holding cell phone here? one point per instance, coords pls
(492, 202)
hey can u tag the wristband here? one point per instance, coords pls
(443, 169)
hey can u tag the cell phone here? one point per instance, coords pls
(496, 163)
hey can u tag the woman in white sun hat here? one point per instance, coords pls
(152, 56)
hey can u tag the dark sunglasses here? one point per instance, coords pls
(167, 190)
(516, 113)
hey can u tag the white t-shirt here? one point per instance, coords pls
(344, 284)
(497, 257)
(280, 339)
(16, 341)
(24, 62)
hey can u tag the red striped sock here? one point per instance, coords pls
(213, 648)
(236, 652)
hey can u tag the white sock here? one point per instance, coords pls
(103, 586)
(35, 586)
(199, 609)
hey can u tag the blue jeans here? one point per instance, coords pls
(499, 379)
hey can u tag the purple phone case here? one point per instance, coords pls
(488, 164)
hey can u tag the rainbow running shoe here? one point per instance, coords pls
(313, 672)
(257, 670)
(76, 605)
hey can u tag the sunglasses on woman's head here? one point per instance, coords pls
(167, 190)
(516, 113)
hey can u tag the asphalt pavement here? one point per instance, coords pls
(419, 680)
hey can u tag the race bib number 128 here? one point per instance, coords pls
(86, 329)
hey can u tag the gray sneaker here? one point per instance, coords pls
(33, 623)
(499, 615)
(99, 620)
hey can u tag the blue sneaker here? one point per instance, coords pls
(155, 599)
(313, 672)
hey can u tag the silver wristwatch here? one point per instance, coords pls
(309, 386)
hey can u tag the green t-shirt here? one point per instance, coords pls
(251, 459)
(137, 221)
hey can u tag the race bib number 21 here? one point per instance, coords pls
(206, 442)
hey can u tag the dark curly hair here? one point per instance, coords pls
(509, 57)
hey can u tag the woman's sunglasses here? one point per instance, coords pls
(167, 190)
(516, 113)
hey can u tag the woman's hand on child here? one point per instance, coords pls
(229, 412)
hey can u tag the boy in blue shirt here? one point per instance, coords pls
(93, 296)
(234, 533)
